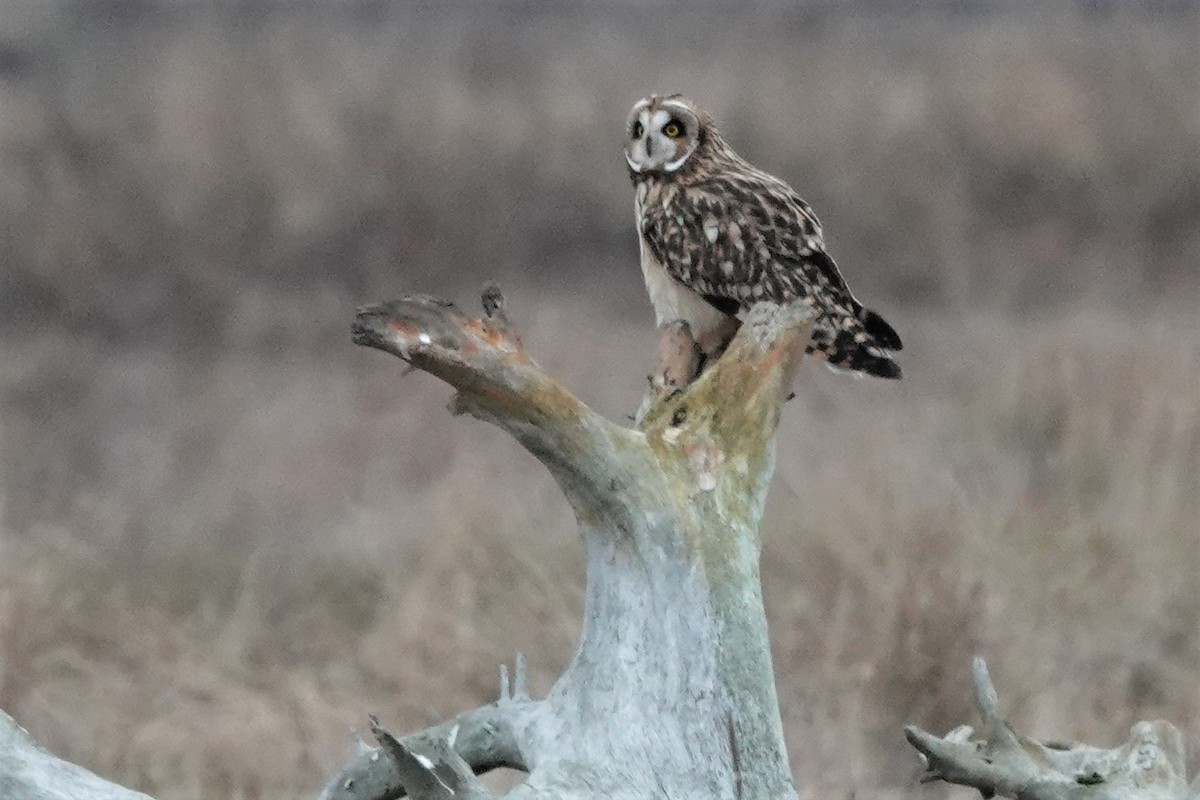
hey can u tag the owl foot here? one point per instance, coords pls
(679, 359)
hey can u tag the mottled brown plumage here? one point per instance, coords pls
(719, 235)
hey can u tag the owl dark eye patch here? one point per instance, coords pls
(674, 129)
(636, 131)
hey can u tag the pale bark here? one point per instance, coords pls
(999, 761)
(482, 739)
(28, 772)
(671, 692)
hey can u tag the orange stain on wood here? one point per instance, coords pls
(403, 328)
(492, 335)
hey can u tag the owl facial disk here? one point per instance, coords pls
(661, 136)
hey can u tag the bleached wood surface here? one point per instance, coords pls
(999, 761)
(28, 772)
(672, 691)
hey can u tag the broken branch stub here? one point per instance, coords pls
(672, 692)
(496, 381)
(999, 761)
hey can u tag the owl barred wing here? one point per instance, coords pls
(885, 335)
(739, 238)
(807, 245)
(719, 248)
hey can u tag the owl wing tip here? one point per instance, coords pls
(881, 331)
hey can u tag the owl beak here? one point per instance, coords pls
(649, 148)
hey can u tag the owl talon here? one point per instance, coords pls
(678, 359)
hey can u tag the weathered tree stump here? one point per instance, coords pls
(671, 693)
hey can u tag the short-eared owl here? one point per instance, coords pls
(718, 235)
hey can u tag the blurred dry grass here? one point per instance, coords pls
(227, 536)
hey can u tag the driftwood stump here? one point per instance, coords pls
(671, 693)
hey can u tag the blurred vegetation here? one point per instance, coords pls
(226, 535)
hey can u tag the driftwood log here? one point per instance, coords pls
(671, 693)
(999, 761)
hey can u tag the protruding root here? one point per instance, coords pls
(1001, 762)
(474, 742)
(439, 774)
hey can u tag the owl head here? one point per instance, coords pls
(663, 133)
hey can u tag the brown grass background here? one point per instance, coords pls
(227, 535)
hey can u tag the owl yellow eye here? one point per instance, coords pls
(673, 129)
(636, 132)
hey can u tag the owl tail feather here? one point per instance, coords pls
(878, 365)
(885, 335)
(845, 352)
